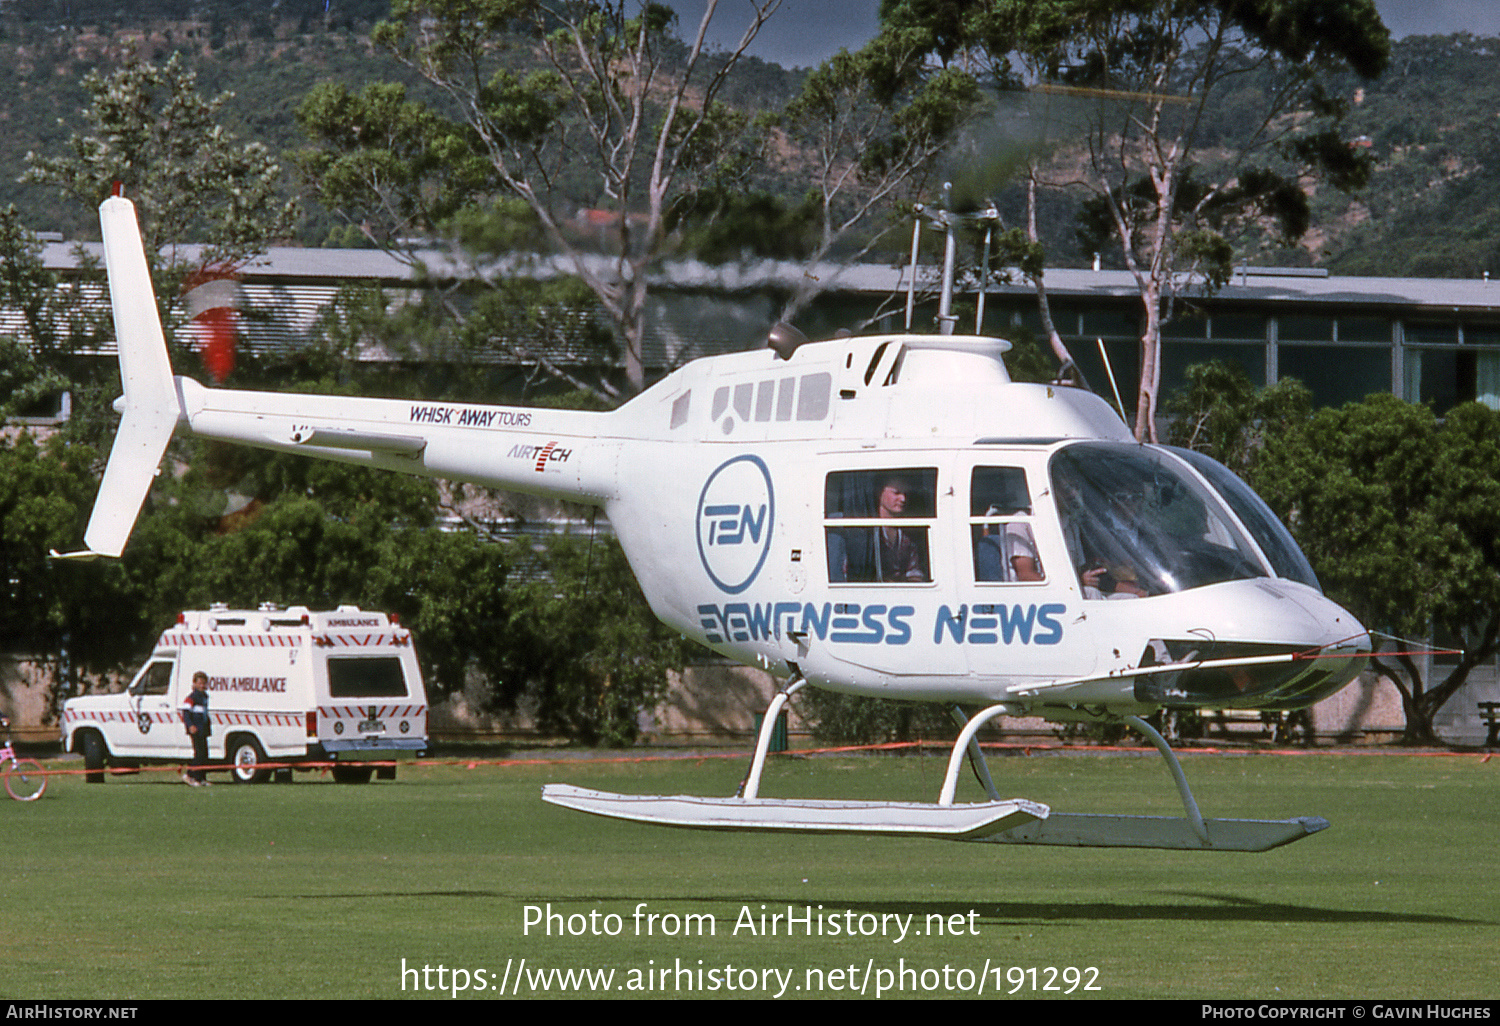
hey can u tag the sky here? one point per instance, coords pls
(803, 33)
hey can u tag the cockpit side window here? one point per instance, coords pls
(1000, 526)
(877, 525)
(1137, 524)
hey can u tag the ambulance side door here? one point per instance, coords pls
(157, 730)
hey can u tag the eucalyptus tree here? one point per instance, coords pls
(876, 123)
(1142, 79)
(592, 114)
(150, 129)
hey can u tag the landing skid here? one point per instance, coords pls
(805, 816)
(1075, 830)
(997, 821)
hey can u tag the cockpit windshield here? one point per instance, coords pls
(1138, 523)
(1274, 539)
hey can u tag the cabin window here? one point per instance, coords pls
(1000, 526)
(765, 395)
(877, 525)
(812, 397)
(762, 401)
(1274, 539)
(785, 397)
(743, 397)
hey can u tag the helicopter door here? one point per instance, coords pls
(1016, 615)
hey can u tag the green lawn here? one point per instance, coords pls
(144, 888)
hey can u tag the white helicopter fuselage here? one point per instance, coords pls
(1037, 554)
(717, 482)
(887, 516)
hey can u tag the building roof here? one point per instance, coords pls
(1253, 285)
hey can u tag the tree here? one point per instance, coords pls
(556, 103)
(581, 641)
(959, 38)
(876, 122)
(70, 621)
(1220, 413)
(1169, 198)
(150, 129)
(53, 320)
(1400, 515)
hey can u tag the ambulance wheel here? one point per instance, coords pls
(245, 759)
(351, 774)
(93, 758)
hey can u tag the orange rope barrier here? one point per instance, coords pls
(892, 746)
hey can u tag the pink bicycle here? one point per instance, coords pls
(24, 779)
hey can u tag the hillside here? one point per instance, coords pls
(1433, 121)
(235, 47)
(1433, 208)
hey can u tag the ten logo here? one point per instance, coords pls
(736, 517)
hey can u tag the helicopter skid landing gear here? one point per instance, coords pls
(748, 811)
(1005, 821)
(1192, 832)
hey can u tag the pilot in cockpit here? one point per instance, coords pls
(1102, 532)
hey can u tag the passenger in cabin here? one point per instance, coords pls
(900, 556)
(1004, 548)
(1006, 552)
(895, 509)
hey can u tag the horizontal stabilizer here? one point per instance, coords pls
(954, 822)
(372, 441)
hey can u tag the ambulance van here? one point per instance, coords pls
(285, 686)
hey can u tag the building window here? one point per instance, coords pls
(1336, 374)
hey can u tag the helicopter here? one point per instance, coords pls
(887, 515)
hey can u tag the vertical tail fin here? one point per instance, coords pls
(151, 404)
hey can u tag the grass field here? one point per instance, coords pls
(144, 888)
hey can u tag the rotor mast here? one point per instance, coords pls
(945, 219)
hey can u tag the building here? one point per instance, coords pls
(1425, 340)
(1432, 340)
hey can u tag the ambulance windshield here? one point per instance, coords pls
(1138, 523)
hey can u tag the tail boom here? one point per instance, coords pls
(564, 454)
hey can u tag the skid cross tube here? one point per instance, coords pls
(961, 746)
(977, 761)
